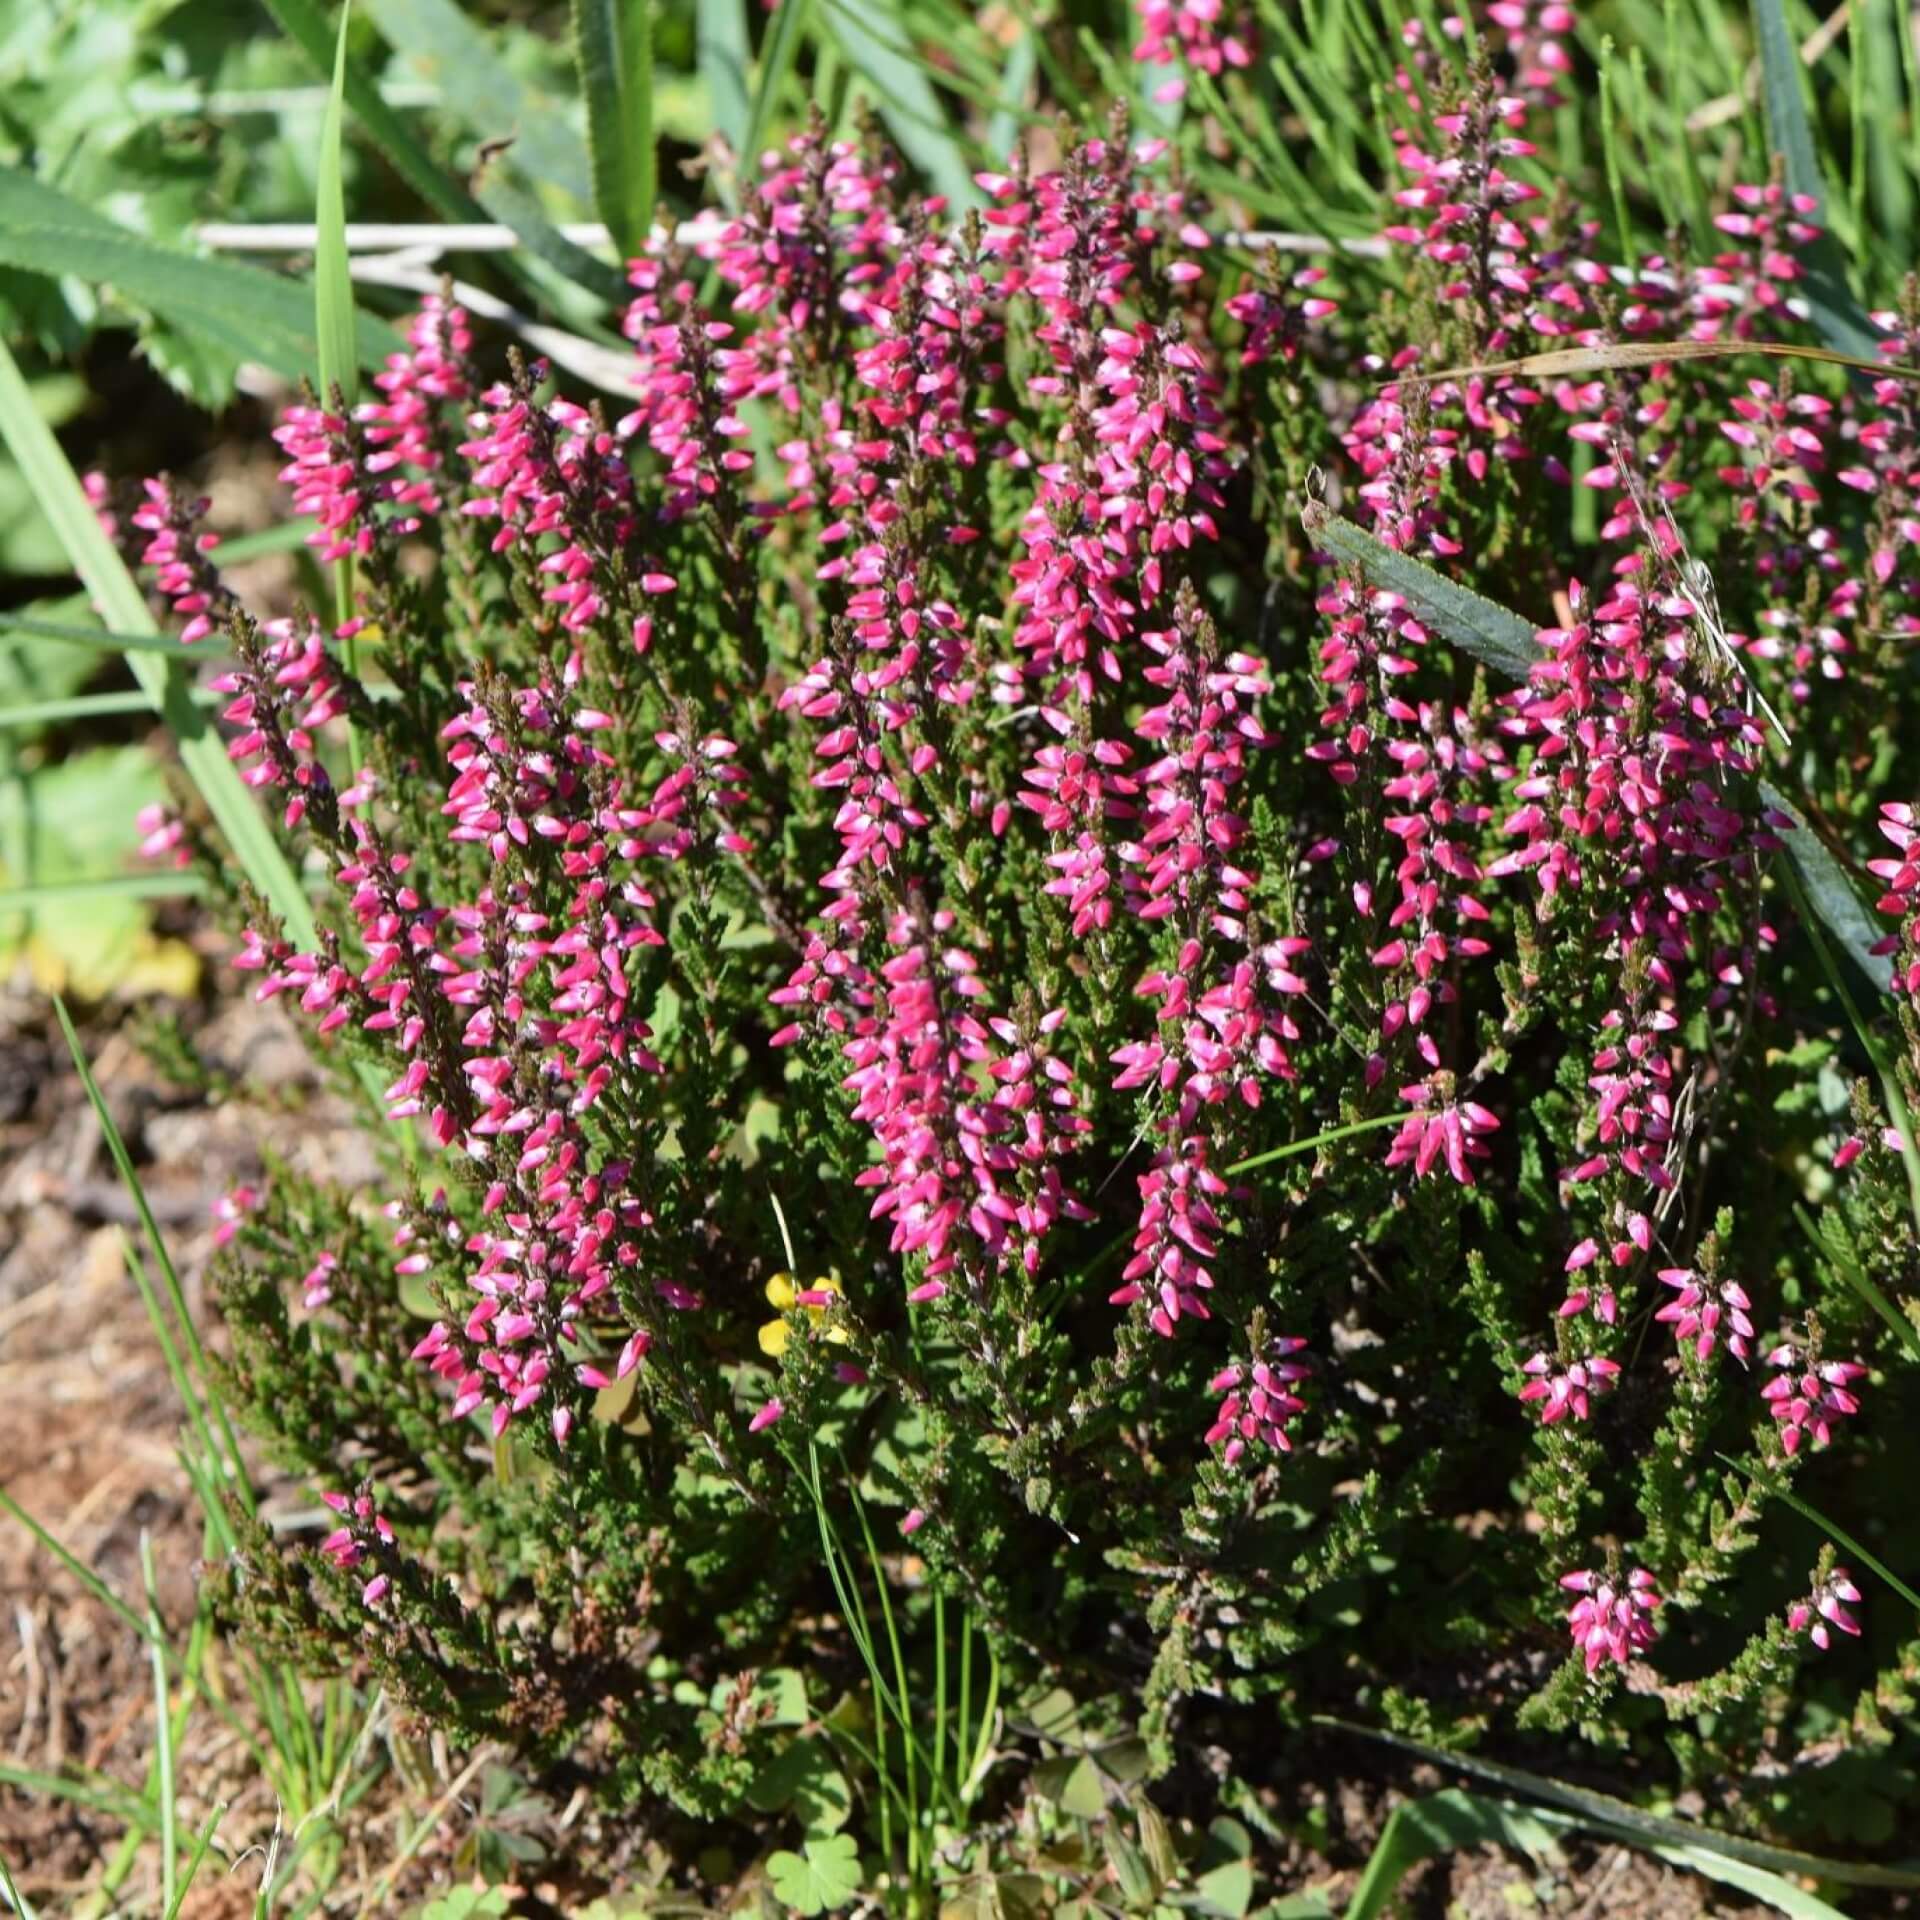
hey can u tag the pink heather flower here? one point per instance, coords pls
(1809, 1395)
(1824, 1608)
(366, 1534)
(1259, 1401)
(316, 1288)
(1190, 33)
(766, 1416)
(1565, 1389)
(179, 550)
(914, 1519)
(1613, 1619)
(163, 835)
(1704, 1312)
(230, 1209)
(1441, 1131)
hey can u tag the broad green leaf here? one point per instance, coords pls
(613, 48)
(804, 1779)
(1498, 638)
(514, 207)
(252, 314)
(121, 603)
(824, 1875)
(1822, 284)
(484, 93)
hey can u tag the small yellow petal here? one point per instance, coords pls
(780, 1291)
(773, 1338)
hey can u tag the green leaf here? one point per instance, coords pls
(333, 289)
(1848, 1544)
(1493, 635)
(1443, 1823)
(724, 54)
(777, 54)
(33, 627)
(1778, 1892)
(332, 281)
(1621, 1816)
(1830, 893)
(824, 1875)
(1822, 284)
(804, 1779)
(252, 314)
(613, 47)
(484, 93)
(879, 48)
(121, 603)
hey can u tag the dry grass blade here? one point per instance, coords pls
(1653, 353)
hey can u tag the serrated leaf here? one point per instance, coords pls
(822, 1876)
(613, 49)
(254, 315)
(1492, 634)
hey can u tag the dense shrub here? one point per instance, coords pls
(936, 958)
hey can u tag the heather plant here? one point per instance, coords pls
(963, 928)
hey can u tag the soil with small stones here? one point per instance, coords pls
(88, 1423)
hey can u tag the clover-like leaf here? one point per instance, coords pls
(823, 1875)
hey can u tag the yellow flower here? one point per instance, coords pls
(783, 1296)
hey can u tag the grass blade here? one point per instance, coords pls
(1841, 1260)
(613, 48)
(86, 1576)
(17, 1899)
(76, 706)
(1830, 892)
(1332, 1134)
(878, 48)
(1499, 638)
(1775, 1889)
(103, 573)
(777, 55)
(1629, 1821)
(723, 55)
(483, 92)
(175, 884)
(1840, 1538)
(1836, 313)
(162, 1734)
(31, 627)
(201, 1842)
(1443, 1823)
(1655, 353)
(332, 283)
(232, 1468)
(1890, 1091)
